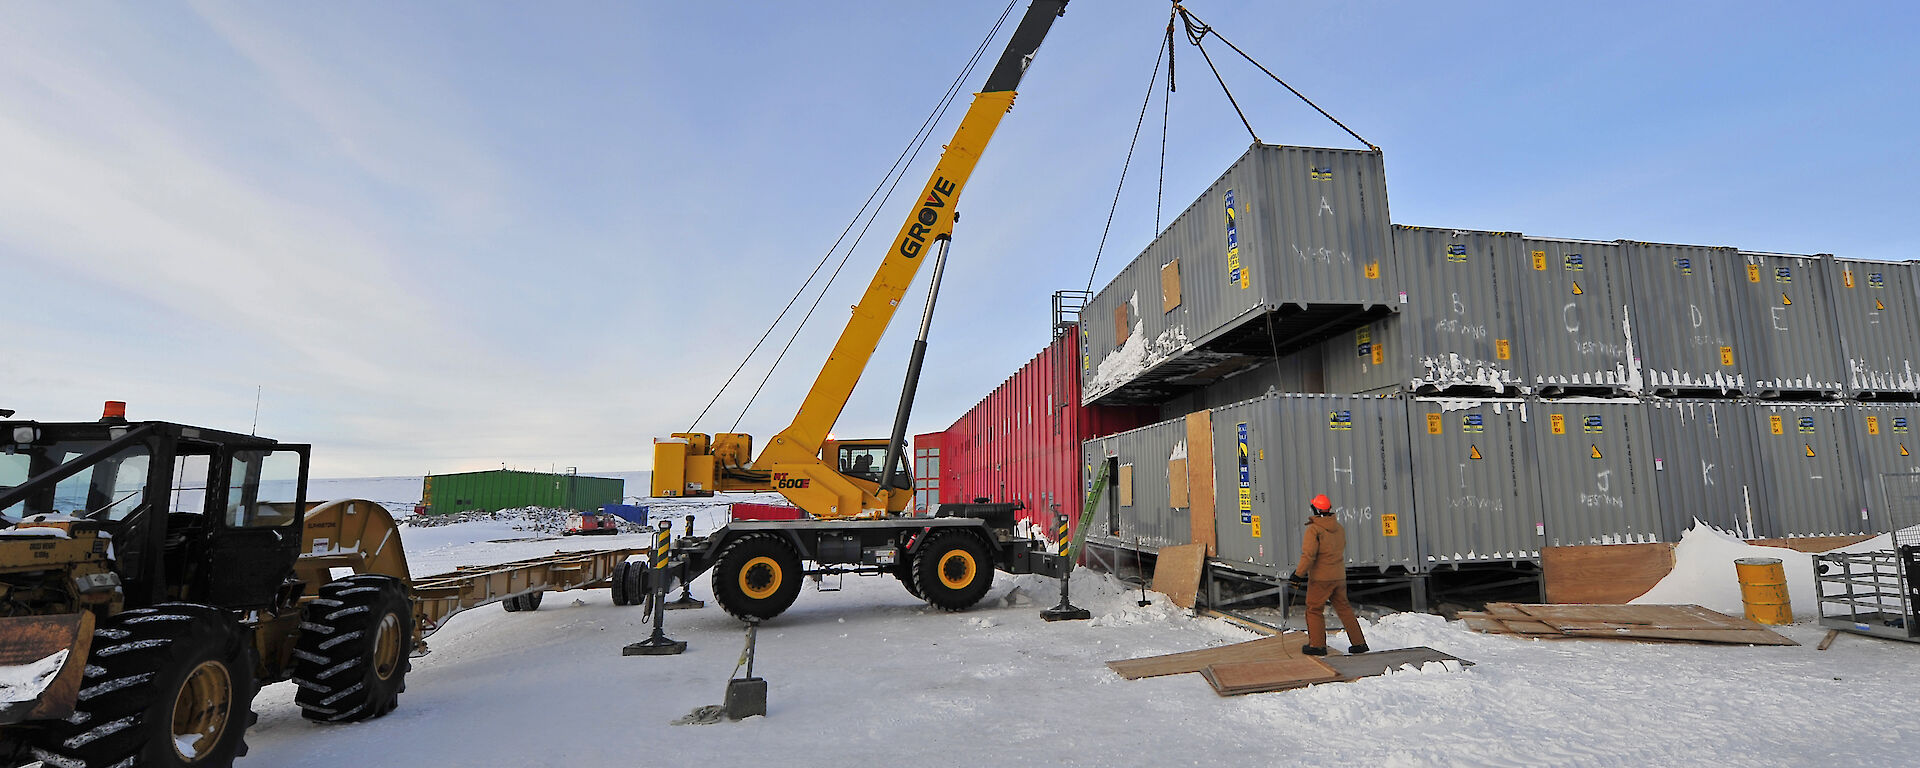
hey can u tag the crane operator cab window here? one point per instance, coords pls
(864, 461)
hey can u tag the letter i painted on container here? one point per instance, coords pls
(1236, 272)
(1246, 480)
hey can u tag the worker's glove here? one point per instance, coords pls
(1297, 580)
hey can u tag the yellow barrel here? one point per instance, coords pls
(1763, 587)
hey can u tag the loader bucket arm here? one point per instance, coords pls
(350, 533)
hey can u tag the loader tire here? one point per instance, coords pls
(618, 583)
(171, 685)
(952, 570)
(757, 576)
(352, 658)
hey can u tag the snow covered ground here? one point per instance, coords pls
(871, 676)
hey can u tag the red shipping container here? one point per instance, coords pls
(1022, 443)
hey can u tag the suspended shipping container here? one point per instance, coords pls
(1371, 359)
(1879, 317)
(1793, 342)
(1705, 467)
(1473, 481)
(1022, 442)
(1272, 455)
(1594, 468)
(1685, 325)
(1289, 246)
(1573, 298)
(1462, 330)
(1889, 460)
(1806, 459)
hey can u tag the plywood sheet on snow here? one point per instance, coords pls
(1176, 573)
(1239, 677)
(1266, 648)
(1653, 623)
(1612, 573)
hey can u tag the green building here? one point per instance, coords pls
(497, 489)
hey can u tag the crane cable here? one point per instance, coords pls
(1197, 32)
(1166, 53)
(905, 158)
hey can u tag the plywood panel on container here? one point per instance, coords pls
(1807, 461)
(1705, 468)
(1793, 342)
(1464, 329)
(1199, 467)
(1685, 327)
(1879, 318)
(1594, 468)
(1573, 297)
(1604, 574)
(1473, 485)
(1170, 286)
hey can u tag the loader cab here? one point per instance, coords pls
(192, 514)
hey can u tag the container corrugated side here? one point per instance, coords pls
(1684, 324)
(1594, 464)
(1372, 359)
(1307, 226)
(1465, 332)
(1140, 459)
(1793, 342)
(1886, 437)
(1351, 448)
(1705, 468)
(1573, 297)
(1293, 373)
(1473, 487)
(1879, 316)
(1806, 458)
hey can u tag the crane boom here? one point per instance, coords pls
(792, 461)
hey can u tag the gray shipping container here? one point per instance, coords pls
(1685, 327)
(1594, 467)
(1705, 468)
(1884, 434)
(1879, 317)
(1137, 505)
(1793, 344)
(1371, 359)
(1351, 448)
(1293, 373)
(1573, 297)
(1298, 232)
(1459, 315)
(1806, 459)
(1473, 486)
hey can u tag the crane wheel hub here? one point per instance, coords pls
(760, 578)
(957, 569)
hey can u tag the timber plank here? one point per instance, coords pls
(1263, 649)
(1242, 677)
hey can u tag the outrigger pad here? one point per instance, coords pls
(655, 647)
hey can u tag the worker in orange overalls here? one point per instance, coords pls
(1323, 571)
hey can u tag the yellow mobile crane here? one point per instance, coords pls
(854, 491)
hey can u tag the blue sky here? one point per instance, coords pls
(445, 236)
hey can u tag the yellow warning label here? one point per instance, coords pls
(1473, 452)
(1774, 425)
(1540, 261)
(1846, 277)
(1810, 450)
(1784, 301)
(1726, 355)
(1433, 423)
(1576, 289)
(1256, 526)
(1873, 425)
(1373, 270)
(1502, 350)
(1903, 450)
(1559, 423)
(1878, 305)
(1389, 524)
(1753, 273)
(1596, 451)
(1379, 354)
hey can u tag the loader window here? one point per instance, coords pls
(262, 489)
(111, 489)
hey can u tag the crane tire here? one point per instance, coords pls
(952, 569)
(757, 576)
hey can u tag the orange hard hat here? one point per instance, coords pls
(1322, 503)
